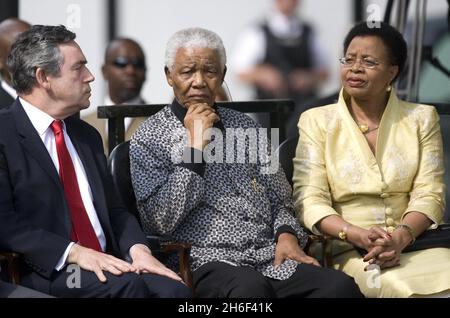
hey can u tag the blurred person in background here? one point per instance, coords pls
(282, 58)
(9, 30)
(124, 70)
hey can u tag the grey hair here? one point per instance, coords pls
(194, 38)
(37, 48)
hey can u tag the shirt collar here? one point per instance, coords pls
(180, 112)
(283, 26)
(40, 120)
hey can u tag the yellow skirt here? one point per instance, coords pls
(421, 273)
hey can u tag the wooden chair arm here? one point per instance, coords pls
(12, 265)
(183, 250)
(325, 253)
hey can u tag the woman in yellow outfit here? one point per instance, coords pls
(369, 170)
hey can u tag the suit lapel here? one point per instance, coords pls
(32, 143)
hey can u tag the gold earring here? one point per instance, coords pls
(389, 88)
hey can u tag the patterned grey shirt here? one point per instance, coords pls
(229, 212)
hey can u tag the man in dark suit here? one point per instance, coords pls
(9, 30)
(58, 207)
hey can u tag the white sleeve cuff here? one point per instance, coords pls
(62, 261)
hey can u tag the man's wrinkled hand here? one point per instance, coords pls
(145, 262)
(199, 118)
(287, 248)
(97, 262)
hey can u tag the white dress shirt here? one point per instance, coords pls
(41, 122)
(250, 48)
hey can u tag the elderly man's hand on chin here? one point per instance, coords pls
(199, 118)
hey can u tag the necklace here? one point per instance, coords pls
(365, 129)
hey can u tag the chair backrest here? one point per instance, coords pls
(119, 167)
(286, 152)
(278, 109)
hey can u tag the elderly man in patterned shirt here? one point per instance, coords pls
(192, 183)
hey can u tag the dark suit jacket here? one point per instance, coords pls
(34, 217)
(5, 98)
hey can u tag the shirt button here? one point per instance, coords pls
(384, 195)
(390, 222)
(388, 211)
(390, 229)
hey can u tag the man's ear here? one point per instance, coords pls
(104, 72)
(224, 72)
(168, 76)
(42, 79)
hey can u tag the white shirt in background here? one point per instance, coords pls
(250, 48)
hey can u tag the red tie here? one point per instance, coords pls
(82, 230)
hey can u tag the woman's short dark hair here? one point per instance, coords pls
(391, 37)
(37, 47)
